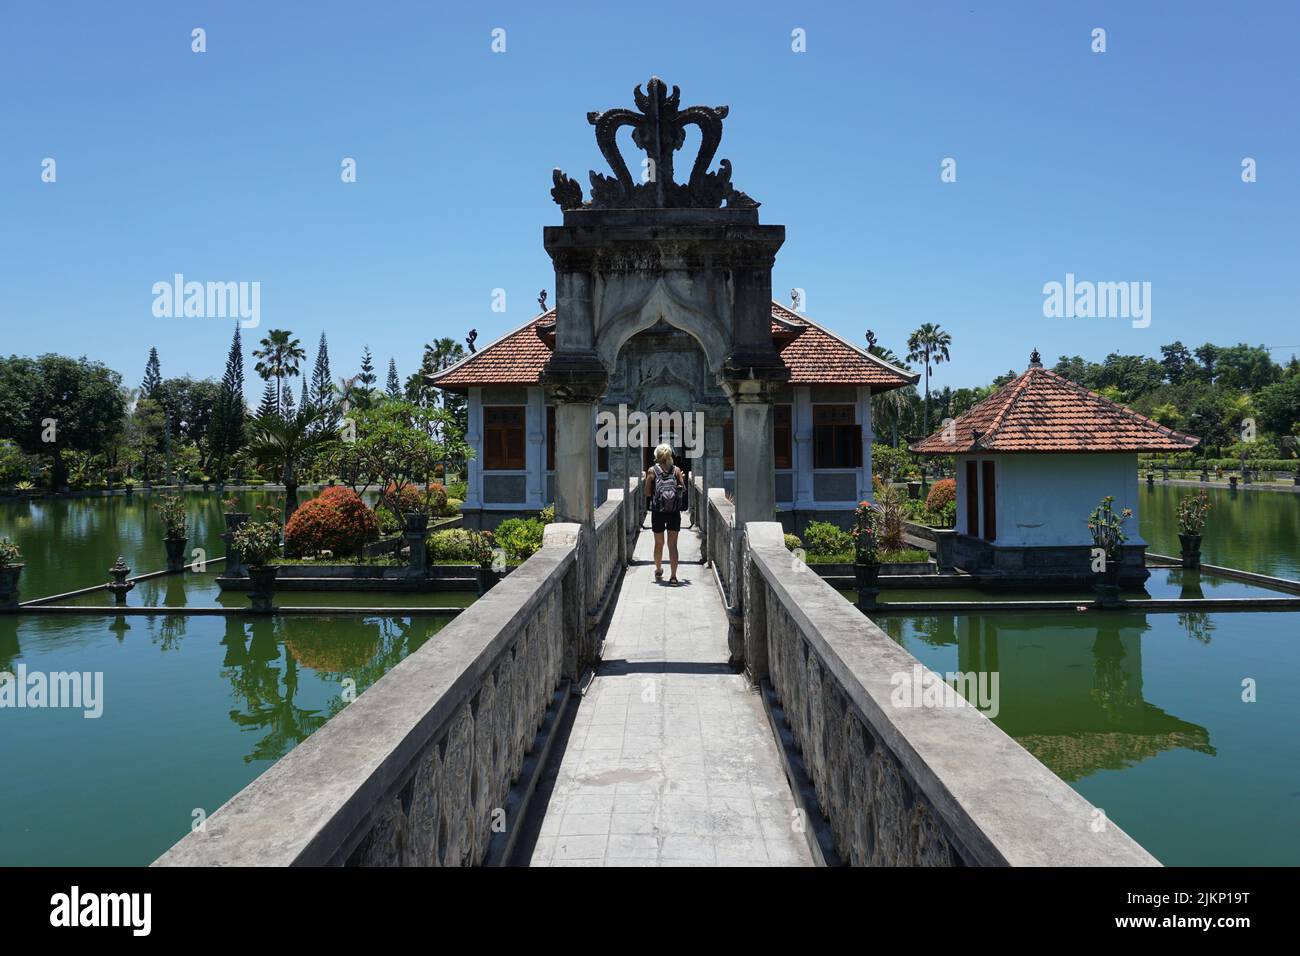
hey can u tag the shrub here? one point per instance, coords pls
(1192, 512)
(792, 542)
(941, 493)
(337, 520)
(453, 545)
(430, 500)
(9, 553)
(520, 537)
(458, 490)
(822, 537)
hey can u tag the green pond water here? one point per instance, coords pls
(194, 707)
(1143, 715)
(1249, 530)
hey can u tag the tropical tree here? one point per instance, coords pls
(278, 358)
(929, 345)
(394, 383)
(289, 445)
(322, 385)
(363, 393)
(152, 375)
(231, 411)
(52, 404)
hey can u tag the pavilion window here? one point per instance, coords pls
(503, 437)
(837, 437)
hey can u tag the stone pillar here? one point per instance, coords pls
(473, 466)
(535, 451)
(802, 426)
(575, 461)
(751, 410)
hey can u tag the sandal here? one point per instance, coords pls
(659, 574)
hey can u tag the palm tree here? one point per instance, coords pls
(288, 443)
(928, 344)
(278, 359)
(888, 407)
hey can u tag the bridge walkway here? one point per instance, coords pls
(669, 760)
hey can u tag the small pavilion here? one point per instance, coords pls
(1033, 461)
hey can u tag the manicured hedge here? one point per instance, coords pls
(337, 520)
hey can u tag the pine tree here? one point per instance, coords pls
(269, 406)
(152, 375)
(364, 393)
(304, 401)
(322, 386)
(394, 383)
(287, 405)
(230, 411)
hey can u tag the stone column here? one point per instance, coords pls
(473, 465)
(751, 410)
(802, 425)
(535, 452)
(575, 461)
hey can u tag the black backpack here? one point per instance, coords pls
(667, 495)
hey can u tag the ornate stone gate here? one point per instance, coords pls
(639, 252)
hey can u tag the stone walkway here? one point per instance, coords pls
(670, 761)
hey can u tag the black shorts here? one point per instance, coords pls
(669, 520)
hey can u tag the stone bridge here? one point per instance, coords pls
(583, 714)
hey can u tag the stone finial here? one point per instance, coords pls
(541, 300)
(471, 339)
(794, 299)
(871, 340)
(1035, 359)
(659, 129)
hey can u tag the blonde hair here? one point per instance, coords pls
(664, 455)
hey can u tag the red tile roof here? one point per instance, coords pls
(1043, 412)
(813, 355)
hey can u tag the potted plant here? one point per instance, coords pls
(866, 552)
(1192, 512)
(11, 568)
(483, 553)
(258, 543)
(171, 509)
(1107, 528)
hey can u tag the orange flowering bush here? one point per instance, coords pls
(337, 520)
(942, 493)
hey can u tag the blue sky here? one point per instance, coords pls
(1119, 166)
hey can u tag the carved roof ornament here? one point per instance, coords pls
(1035, 359)
(659, 129)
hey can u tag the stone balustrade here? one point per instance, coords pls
(434, 764)
(616, 523)
(899, 785)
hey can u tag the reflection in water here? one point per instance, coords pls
(8, 642)
(1070, 692)
(262, 661)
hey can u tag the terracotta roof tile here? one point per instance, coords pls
(1043, 412)
(813, 355)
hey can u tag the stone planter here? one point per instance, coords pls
(414, 534)
(1107, 583)
(866, 579)
(9, 576)
(234, 560)
(1191, 544)
(944, 540)
(914, 490)
(262, 579)
(1232, 482)
(487, 579)
(175, 553)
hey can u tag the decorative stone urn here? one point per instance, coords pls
(414, 534)
(9, 576)
(914, 489)
(118, 585)
(866, 579)
(262, 578)
(1232, 482)
(234, 560)
(1191, 544)
(175, 553)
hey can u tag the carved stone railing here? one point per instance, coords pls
(434, 764)
(892, 784)
(719, 524)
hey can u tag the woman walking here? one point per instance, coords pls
(665, 486)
